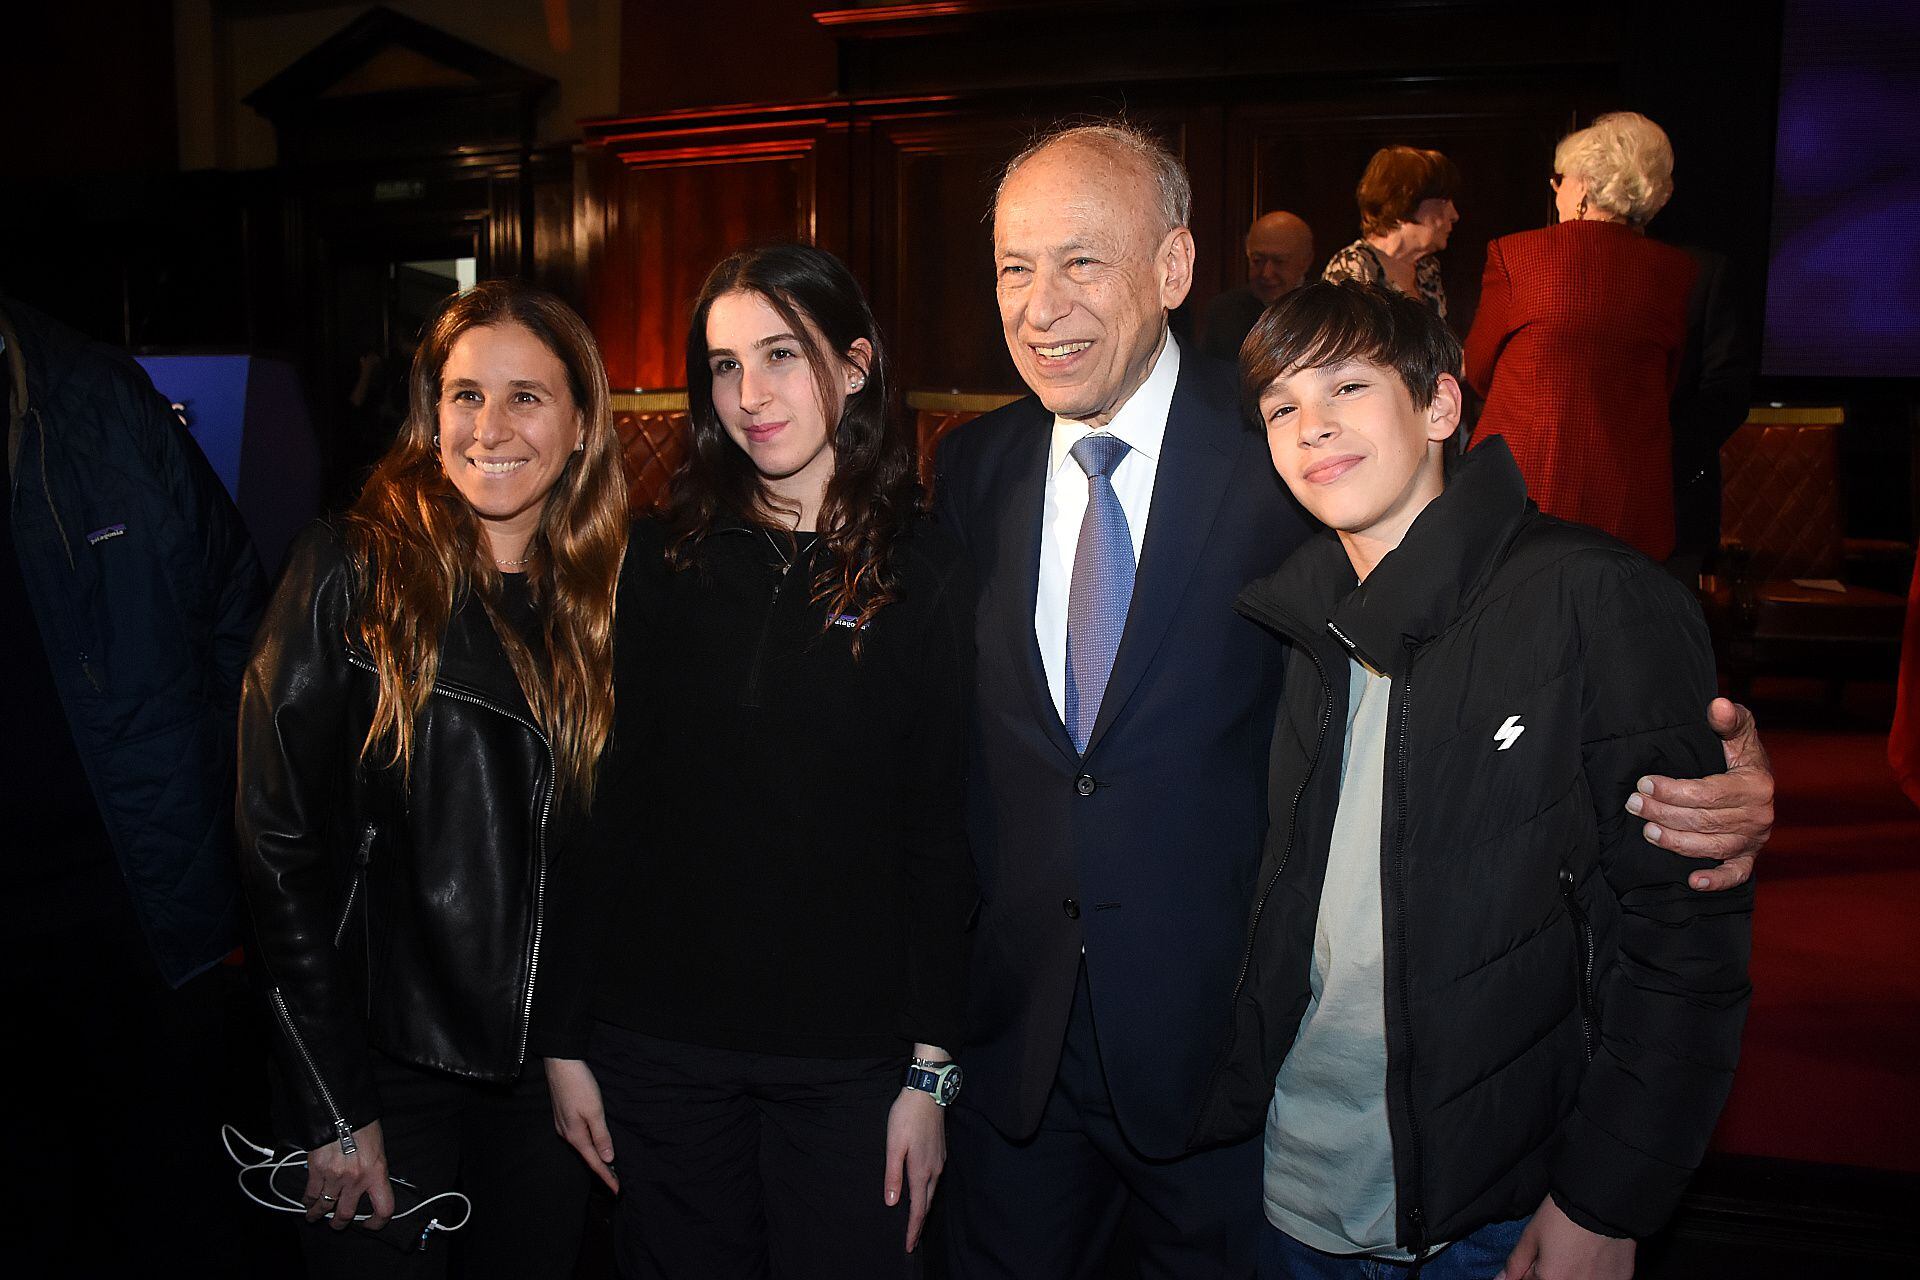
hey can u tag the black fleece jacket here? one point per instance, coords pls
(1563, 1012)
(777, 860)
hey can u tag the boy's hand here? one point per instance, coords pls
(1555, 1247)
(1725, 818)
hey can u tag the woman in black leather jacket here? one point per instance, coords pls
(426, 701)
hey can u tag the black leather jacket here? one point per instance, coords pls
(402, 918)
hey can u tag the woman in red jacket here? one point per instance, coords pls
(1579, 336)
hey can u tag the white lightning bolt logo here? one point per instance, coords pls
(1509, 733)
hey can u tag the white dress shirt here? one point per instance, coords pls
(1142, 423)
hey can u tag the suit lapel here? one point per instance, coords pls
(1025, 504)
(1195, 468)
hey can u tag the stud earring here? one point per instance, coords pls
(580, 446)
(436, 439)
(854, 384)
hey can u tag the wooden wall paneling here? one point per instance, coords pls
(608, 311)
(932, 255)
(509, 219)
(679, 194)
(675, 222)
(550, 260)
(1200, 141)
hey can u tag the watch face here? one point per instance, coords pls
(950, 1085)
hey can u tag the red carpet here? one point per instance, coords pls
(1830, 1071)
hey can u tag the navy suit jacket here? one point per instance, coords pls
(1143, 851)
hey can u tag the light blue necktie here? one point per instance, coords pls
(1102, 586)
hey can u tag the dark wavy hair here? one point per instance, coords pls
(874, 493)
(1398, 181)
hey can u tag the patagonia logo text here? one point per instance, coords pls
(99, 536)
(849, 620)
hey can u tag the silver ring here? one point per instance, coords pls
(328, 1199)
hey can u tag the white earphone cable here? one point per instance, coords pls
(273, 1164)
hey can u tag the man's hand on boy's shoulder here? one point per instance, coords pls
(1726, 817)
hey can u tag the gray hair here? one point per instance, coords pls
(1626, 162)
(1128, 142)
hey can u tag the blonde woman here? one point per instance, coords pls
(426, 702)
(1579, 335)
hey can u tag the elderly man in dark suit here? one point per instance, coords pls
(1279, 251)
(1117, 792)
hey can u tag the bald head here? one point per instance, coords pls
(1279, 251)
(1125, 146)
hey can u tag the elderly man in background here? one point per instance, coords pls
(1117, 796)
(1279, 251)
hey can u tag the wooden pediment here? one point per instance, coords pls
(385, 52)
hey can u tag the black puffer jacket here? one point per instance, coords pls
(1563, 1012)
(405, 918)
(145, 590)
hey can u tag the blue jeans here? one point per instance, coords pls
(1477, 1257)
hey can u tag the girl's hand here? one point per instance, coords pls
(579, 1118)
(916, 1152)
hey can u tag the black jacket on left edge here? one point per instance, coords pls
(1563, 1012)
(145, 590)
(400, 917)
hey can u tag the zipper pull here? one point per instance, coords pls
(1418, 1221)
(347, 1145)
(365, 855)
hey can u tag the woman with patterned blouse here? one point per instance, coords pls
(1406, 214)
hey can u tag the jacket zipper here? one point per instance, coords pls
(53, 508)
(751, 696)
(340, 1125)
(66, 543)
(1584, 928)
(1416, 1213)
(539, 856)
(1293, 815)
(539, 839)
(353, 886)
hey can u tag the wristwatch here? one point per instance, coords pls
(940, 1079)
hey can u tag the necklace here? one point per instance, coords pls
(514, 564)
(786, 561)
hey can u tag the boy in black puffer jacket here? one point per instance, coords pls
(1488, 1025)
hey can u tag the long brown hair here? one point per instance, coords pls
(874, 493)
(419, 550)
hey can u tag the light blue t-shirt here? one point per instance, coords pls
(1329, 1152)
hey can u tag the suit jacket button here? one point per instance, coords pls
(1084, 784)
(1072, 908)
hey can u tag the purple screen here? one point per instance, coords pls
(1843, 286)
(212, 393)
